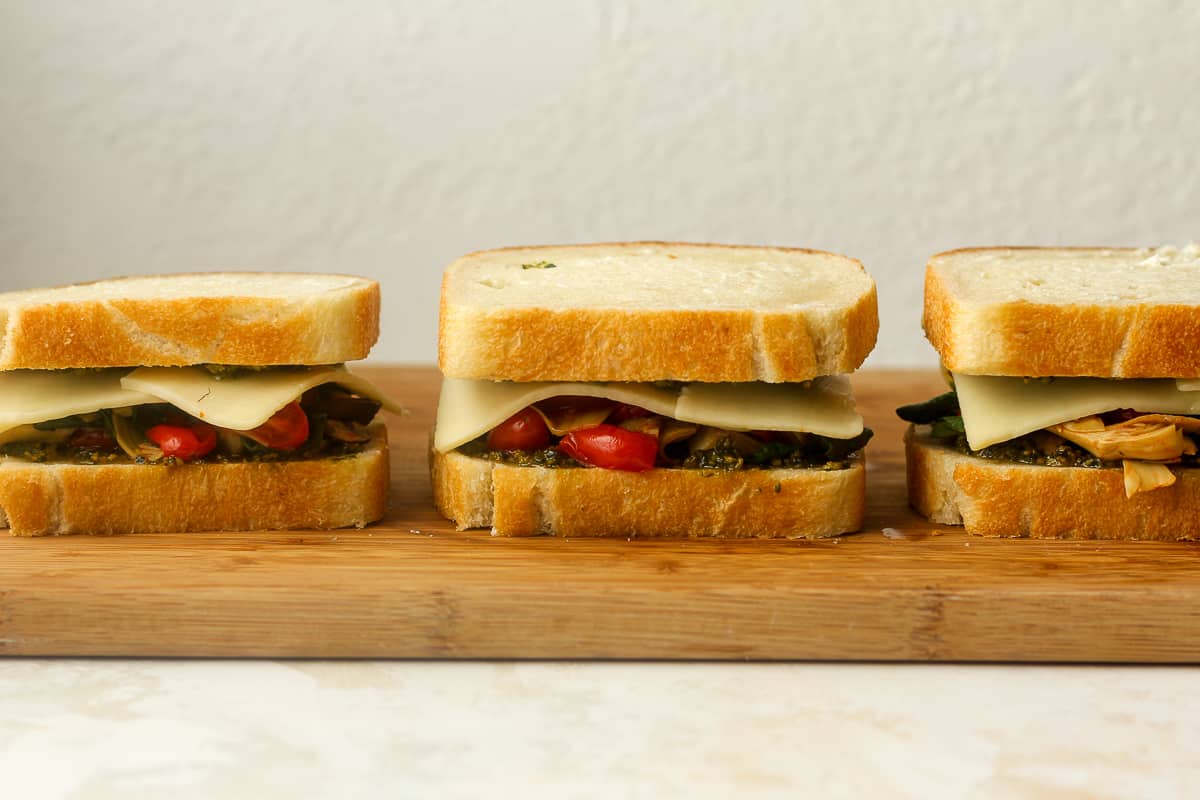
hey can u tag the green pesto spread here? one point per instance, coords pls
(817, 454)
(1025, 450)
(61, 453)
(941, 413)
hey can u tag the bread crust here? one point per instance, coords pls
(995, 498)
(327, 327)
(1023, 338)
(604, 344)
(661, 503)
(40, 499)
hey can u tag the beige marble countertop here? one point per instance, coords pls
(120, 729)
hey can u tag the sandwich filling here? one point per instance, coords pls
(1139, 425)
(641, 426)
(169, 415)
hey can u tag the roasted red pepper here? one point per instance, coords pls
(611, 447)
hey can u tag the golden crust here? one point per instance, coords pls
(599, 344)
(41, 499)
(1001, 499)
(667, 503)
(939, 319)
(1147, 340)
(236, 328)
(462, 488)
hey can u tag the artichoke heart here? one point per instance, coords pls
(1151, 437)
(1144, 476)
(565, 414)
(127, 434)
(1142, 444)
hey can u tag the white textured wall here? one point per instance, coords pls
(387, 138)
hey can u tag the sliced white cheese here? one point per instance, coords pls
(29, 396)
(825, 408)
(245, 400)
(470, 408)
(28, 433)
(996, 409)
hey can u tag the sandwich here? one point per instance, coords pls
(190, 402)
(652, 389)
(1073, 407)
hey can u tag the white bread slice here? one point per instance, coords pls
(995, 498)
(40, 499)
(246, 318)
(675, 503)
(646, 311)
(1031, 311)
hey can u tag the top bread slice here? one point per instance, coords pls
(646, 311)
(240, 318)
(1031, 311)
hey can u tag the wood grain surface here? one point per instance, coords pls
(413, 587)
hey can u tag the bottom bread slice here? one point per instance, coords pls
(997, 498)
(677, 503)
(337, 492)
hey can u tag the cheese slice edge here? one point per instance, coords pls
(826, 407)
(247, 400)
(999, 408)
(469, 408)
(241, 402)
(29, 396)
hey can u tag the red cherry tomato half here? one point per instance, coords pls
(524, 430)
(610, 447)
(287, 429)
(184, 442)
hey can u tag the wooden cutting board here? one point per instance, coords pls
(413, 587)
